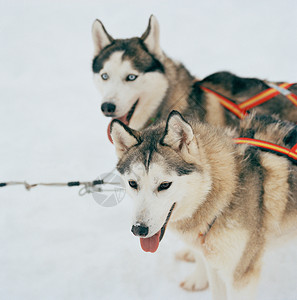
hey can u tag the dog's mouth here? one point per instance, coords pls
(125, 119)
(151, 244)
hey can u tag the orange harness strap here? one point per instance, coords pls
(291, 153)
(241, 109)
(230, 105)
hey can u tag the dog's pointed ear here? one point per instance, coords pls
(179, 134)
(151, 37)
(100, 37)
(123, 137)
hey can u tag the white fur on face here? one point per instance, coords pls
(152, 206)
(149, 88)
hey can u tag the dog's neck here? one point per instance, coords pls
(180, 83)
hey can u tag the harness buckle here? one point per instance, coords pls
(280, 89)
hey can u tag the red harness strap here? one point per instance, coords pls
(291, 153)
(241, 109)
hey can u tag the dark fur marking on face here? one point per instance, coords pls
(135, 50)
(183, 169)
(142, 59)
(146, 153)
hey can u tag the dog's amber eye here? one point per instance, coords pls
(104, 76)
(133, 184)
(131, 77)
(164, 186)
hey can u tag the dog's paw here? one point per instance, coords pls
(195, 282)
(186, 255)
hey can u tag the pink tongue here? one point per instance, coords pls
(122, 119)
(150, 244)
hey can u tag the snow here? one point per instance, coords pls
(56, 244)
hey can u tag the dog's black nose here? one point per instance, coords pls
(108, 108)
(140, 230)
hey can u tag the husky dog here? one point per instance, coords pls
(139, 83)
(227, 201)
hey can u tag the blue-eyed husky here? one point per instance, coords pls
(228, 201)
(139, 84)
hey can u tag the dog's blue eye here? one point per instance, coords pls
(164, 186)
(133, 184)
(104, 76)
(131, 77)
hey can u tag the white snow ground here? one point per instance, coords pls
(55, 244)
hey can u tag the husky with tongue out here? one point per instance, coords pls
(227, 200)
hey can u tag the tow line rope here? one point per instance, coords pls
(87, 186)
